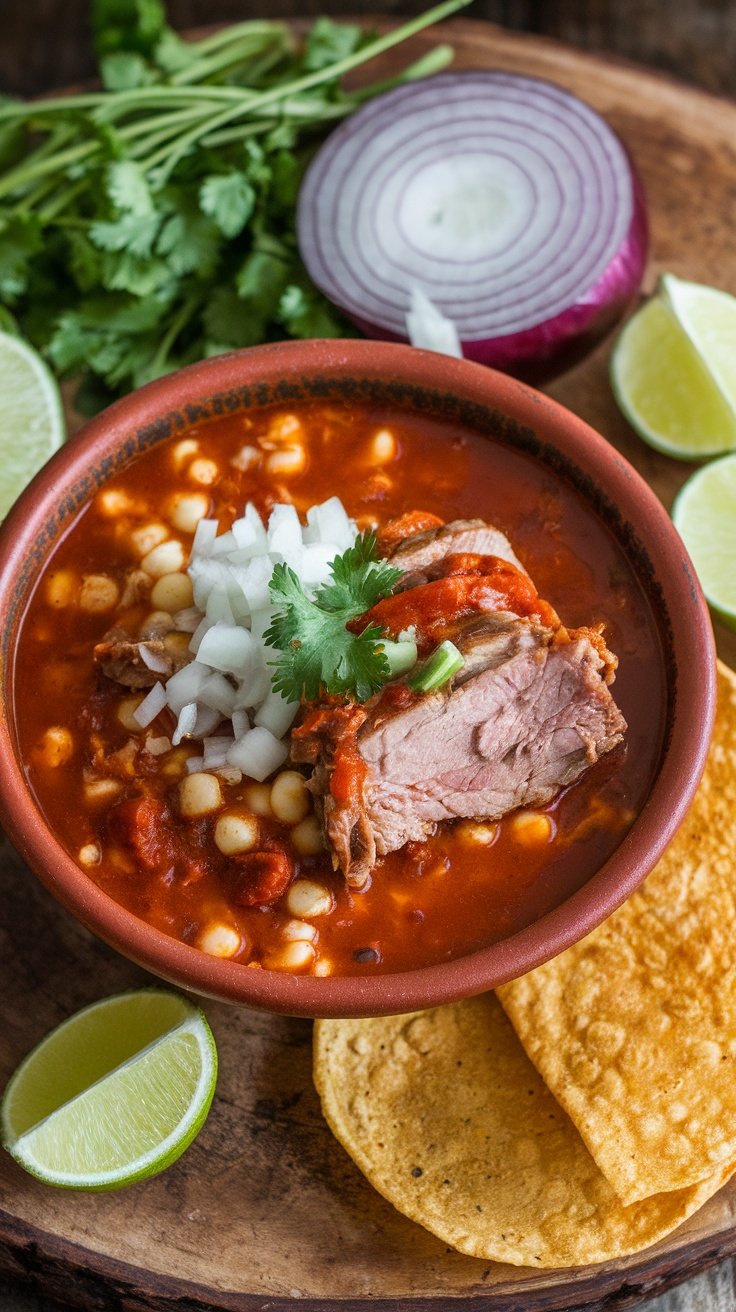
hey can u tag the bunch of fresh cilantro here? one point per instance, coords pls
(152, 223)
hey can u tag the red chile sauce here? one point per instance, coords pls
(428, 902)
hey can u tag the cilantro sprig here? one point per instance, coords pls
(318, 653)
(152, 223)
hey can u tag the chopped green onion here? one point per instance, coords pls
(401, 656)
(438, 668)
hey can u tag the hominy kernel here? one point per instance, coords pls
(382, 448)
(125, 714)
(122, 860)
(113, 502)
(258, 800)
(290, 460)
(307, 837)
(147, 536)
(177, 644)
(298, 931)
(186, 509)
(62, 588)
(236, 833)
(219, 940)
(323, 967)
(284, 429)
(164, 559)
(471, 831)
(306, 899)
(176, 762)
(99, 593)
(531, 827)
(203, 471)
(289, 797)
(56, 746)
(184, 451)
(248, 457)
(293, 957)
(377, 485)
(89, 855)
(199, 794)
(101, 790)
(172, 592)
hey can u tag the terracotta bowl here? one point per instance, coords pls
(471, 395)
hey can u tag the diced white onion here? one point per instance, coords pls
(186, 621)
(428, 328)
(276, 714)
(227, 684)
(185, 724)
(157, 746)
(204, 537)
(216, 750)
(151, 706)
(155, 661)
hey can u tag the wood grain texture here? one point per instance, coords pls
(265, 1211)
(48, 42)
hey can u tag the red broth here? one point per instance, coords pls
(464, 888)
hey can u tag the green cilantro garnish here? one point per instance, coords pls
(318, 653)
(152, 223)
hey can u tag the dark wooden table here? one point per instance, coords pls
(46, 43)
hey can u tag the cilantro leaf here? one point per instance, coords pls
(317, 650)
(329, 41)
(128, 25)
(229, 199)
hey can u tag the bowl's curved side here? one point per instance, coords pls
(363, 371)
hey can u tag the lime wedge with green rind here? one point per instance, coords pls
(32, 424)
(704, 514)
(673, 370)
(113, 1095)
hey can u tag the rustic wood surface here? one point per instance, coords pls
(265, 1210)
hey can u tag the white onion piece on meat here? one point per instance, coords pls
(430, 330)
(151, 706)
(509, 203)
(155, 661)
(157, 746)
(227, 684)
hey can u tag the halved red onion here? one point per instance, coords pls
(509, 203)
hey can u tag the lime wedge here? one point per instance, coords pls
(705, 517)
(673, 370)
(114, 1094)
(31, 417)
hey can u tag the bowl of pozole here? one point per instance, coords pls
(345, 678)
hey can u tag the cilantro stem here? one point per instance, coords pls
(224, 35)
(235, 54)
(178, 323)
(329, 74)
(435, 60)
(64, 197)
(51, 164)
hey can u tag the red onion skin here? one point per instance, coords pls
(541, 353)
(537, 354)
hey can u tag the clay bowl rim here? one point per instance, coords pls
(107, 443)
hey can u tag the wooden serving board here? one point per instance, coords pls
(266, 1211)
